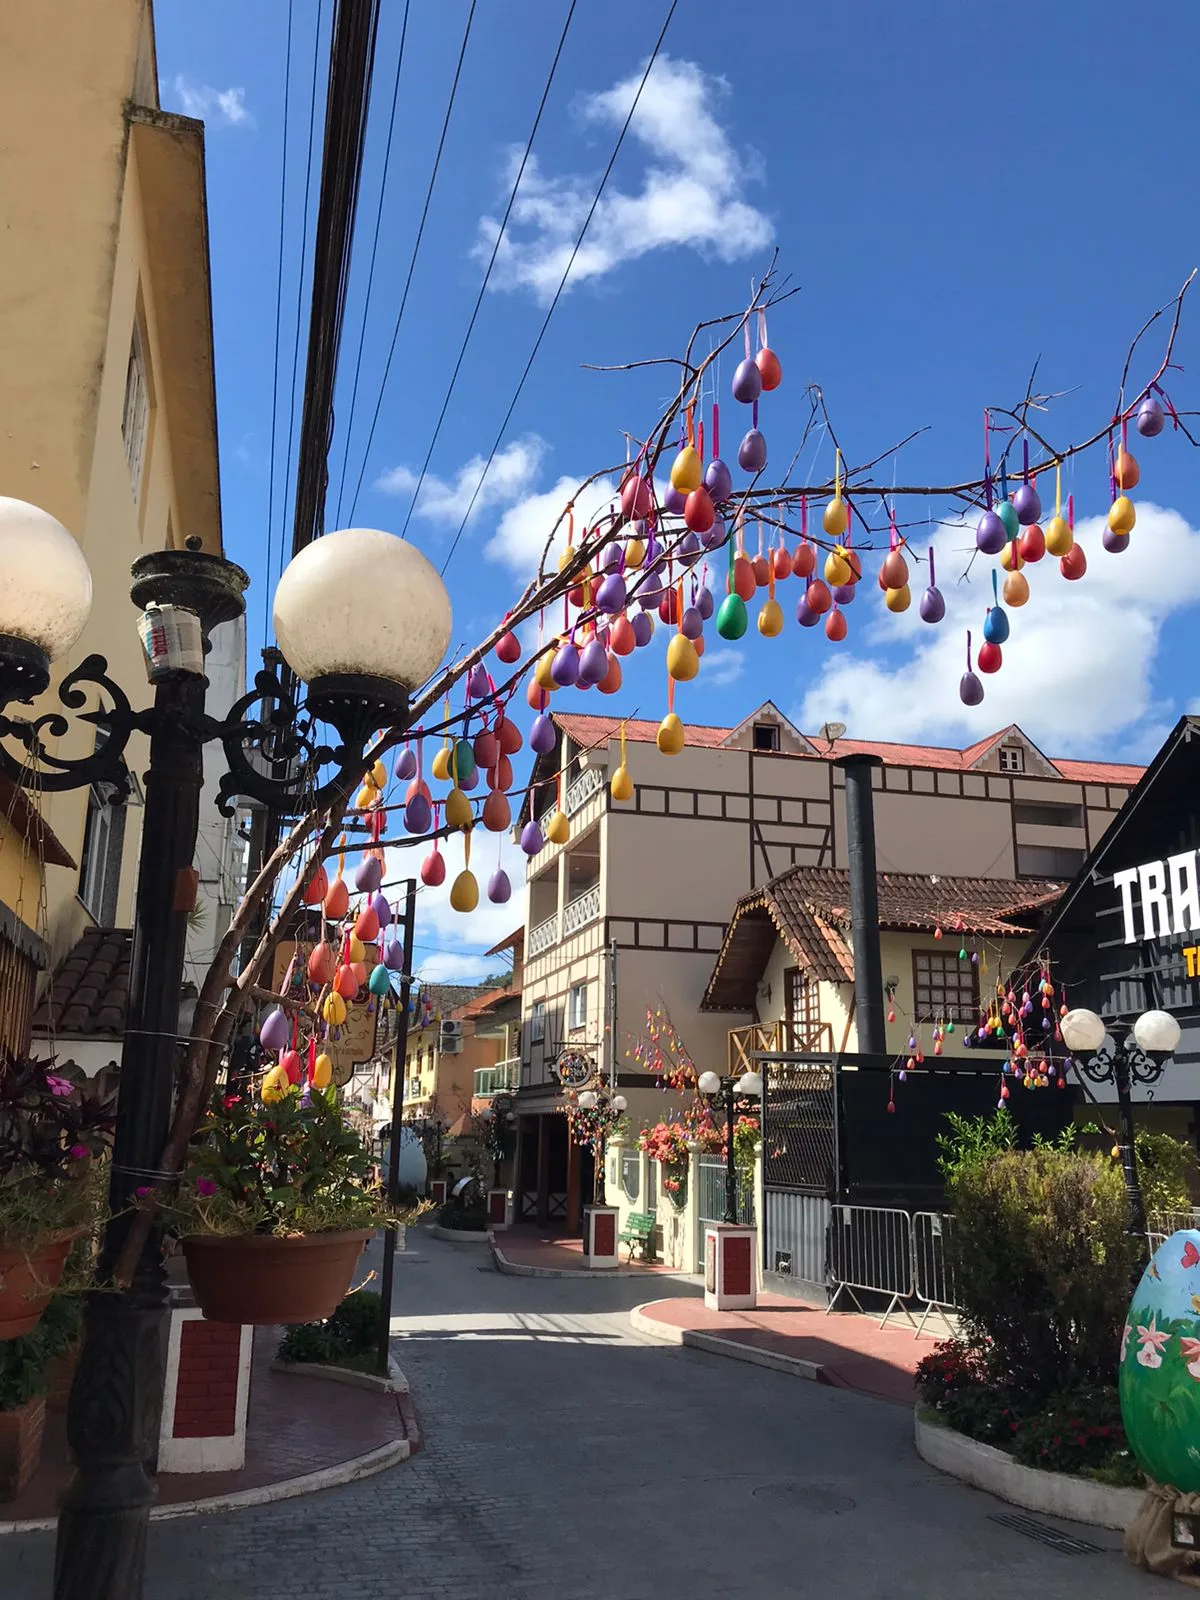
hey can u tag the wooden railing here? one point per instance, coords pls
(777, 1038)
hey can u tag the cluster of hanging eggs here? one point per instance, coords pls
(1125, 474)
(1027, 1022)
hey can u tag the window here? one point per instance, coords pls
(537, 1022)
(1012, 758)
(100, 867)
(135, 419)
(1048, 861)
(1048, 814)
(944, 987)
(577, 1008)
(766, 736)
(801, 998)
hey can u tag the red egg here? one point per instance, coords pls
(322, 963)
(990, 657)
(1033, 543)
(804, 560)
(769, 368)
(1074, 564)
(698, 511)
(744, 581)
(497, 813)
(502, 774)
(621, 638)
(835, 626)
(366, 925)
(486, 748)
(762, 571)
(509, 736)
(818, 597)
(508, 648)
(783, 564)
(697, 645)
(317, 888)
(345, 983)
(668, 606)
(433, 869)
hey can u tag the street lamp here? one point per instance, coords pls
(727, 1091)
(359, 678)
(1123, 1054)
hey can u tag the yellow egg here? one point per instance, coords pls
(837, 568)
(441, 764)
(322, 1072)
(770, 619)
(670, 739)
(567, 556)
(1011, 558)
(834, 518)
(378, 775)
(366, 797)
(898, 599)
(542, 674)
(682, 661)
(464, 891)
(275, 1086)
(354, 950)
(334, 1009)
(635, 553)
(558, 830)
(1016, 589)
(1121, 515)
(687, 471)
(621, 784)
(1059, 537)
(458, 810)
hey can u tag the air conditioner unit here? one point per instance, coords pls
(451, 1029)
(451, 1038)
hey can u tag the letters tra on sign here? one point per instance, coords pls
(1161, 900)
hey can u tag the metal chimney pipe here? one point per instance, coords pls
(864, 902)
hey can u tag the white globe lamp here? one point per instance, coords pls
(1082, 1031)
(708, 1083)
(1157, 1032)
(45, 595)
(750, 1084)
(587, 1100)
(620, 1104)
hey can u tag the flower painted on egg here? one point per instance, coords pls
(1152, 1340)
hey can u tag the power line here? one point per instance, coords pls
(362, 331)
(562, 285)
(287, 84)
(492, 262)
(437, 161)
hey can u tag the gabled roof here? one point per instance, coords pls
(1011, 736)
(809, 909)
(89, 994)
(769, 711)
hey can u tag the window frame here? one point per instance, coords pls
(927, 1010)
(793, 979)
(135, 412)
(101, 857)
(537, 1022)
(577, 1016)
(1018, 755)
(1062, 872)
(771, 729)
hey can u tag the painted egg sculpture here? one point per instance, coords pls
(1160, 1365)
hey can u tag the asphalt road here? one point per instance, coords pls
(566, 1458)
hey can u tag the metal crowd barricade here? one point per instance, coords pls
(871, 1250)
(933, 1274)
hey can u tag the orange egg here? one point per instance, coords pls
(744, 581)
(1126, 471)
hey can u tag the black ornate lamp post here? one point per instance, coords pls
(726, 1092)
(113, 1415)
(1123, 1054)
(610, 1107)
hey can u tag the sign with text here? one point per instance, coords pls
(1160, 899)
(574, 1069)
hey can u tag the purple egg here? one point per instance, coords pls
(716, 535)
(611, 595)
(843, 593)
(593, 663)
(469, 781)
(406, 765)
(1115, 543)
(276, 1032)
(970, 690)
(718, 481)
(704, 603)
(477, 682)
(531, 838)
(1150, 418)
(990, 536)
(673, 501)
(805, 615)
(564, 669)
(368, 875)
(752, 452)
(499, 888)
(379, 904)
(1027, 503)
(689, 550)
(614, 556)
(418, 814)
(393, 953)
(650, 591)
(691, 623)
(643, 628)
(933, 607)
(747, 382)
(542, 735)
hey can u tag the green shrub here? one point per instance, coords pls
(309, 1342)
(1077, 1433)
(463, 1219)
(992, 1415)
(950, 1367)
(22, 1370)
(350, 1333)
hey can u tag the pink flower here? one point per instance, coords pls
(1189, 1349)
(78, 1151)
(59, 1086)
(1152, 1340)
(205, 1187)
(143, 1191)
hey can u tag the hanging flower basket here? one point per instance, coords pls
(265, 1280)
(29, 1275)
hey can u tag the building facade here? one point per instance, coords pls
(631, 913)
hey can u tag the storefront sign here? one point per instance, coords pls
(1160, 900)
(574, 1069)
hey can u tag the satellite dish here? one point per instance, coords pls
(831, 732)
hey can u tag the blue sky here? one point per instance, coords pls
(957, 190)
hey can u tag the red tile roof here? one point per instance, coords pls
(27, 821)
(90, 991)
(589, 731)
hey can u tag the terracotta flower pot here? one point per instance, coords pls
(266, 1281)
(20, 1445)
(27, 1280)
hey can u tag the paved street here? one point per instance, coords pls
(566, 1459)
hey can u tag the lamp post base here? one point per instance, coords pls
(730, 1272)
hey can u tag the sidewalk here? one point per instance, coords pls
(526, 1252)
(844, 1349)
(302, 1434)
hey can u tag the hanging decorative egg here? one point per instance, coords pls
(276, 1031)
(698, 511)
(636, 499)
(1016, 589)
(1059, 537)
(334, 1009)
(478, 685)
(418, 812)
(1011, 558)
(834, 518)
(621, 784)
(406, 765)
(464, 891)
(691, 623)
(558, 829)
(1126, 470)
(991, 658)
(691, 547)
(670, 736)
(542, 737)
(970, 690)
(770, 619)
(345, 981)
(732, 622)
(1150, 418)
(747, 382)
(744, 580)
(497, 813)
(368, 875)
(893, 571)
(933, 605)
(805, 615)
(762, 571)
(322, 1072)
(1027, 503)
(289, 1066)
(781, 562)
(718, 481)
(991, 534)
(322, 964)
(1074, 564)
(337, 900)
(564, 669)
(995, 622)
(355, 952)
(1032, 544)
(844, 593)
(1007, 514)
(668, 607)
(704, 603)
(804, 560)
(499, 888)
(682, 661)
(621, 638)
(835, 626)
(769, 368)
(593, 663)
(380, 982)
(612, 594)
(687, 472)
(508, 649)
(274, 1087)
(462, 761)
(643, 629)
(673, 501)
(1121, 515)
(752, 452)
(817, 597)
(316, 888)
(1115, 543)
(509, 735)
(898, 600)
(635, 553)
(433, 869)
(458, 810)
(440, 765)
(531, 840)
(837, 568)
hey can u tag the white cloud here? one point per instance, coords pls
(456, 936)
(1077, 667)
(444, 967)
(512, 472)
(720, 668)
(203, 101)
(690, 193)
(524, 528)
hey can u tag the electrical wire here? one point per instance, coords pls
(287, 83)
(437, 161)
(362, 331)
(537, 344)
(491, 263)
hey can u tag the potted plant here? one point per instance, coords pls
(667, 1143)
(50, 1187)
(275, 1207)
(22, 1410)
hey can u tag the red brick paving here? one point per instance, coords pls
(852, 1351)
(296, 1425)
(527, 1246)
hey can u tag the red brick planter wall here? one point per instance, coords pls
(206, 1392)
(20, 1445)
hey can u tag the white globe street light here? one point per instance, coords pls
(708, 1083)
(45, 595)
(620, 1104)
(587, 1100)
(1082, 1031)
(1157, 1032)
(750, 1084)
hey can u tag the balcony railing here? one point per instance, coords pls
(501, 1078)
(581, 790)
(543, 936)
(777, 1038)
(583, 909)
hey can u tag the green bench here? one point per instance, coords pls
(638, 1233)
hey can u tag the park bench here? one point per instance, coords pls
(638, 1233)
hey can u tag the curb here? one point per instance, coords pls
(713, 1344)
(394, 1383)
(1054, 1494)
(518, 1269)
(458, 1235)
(364, 1466)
